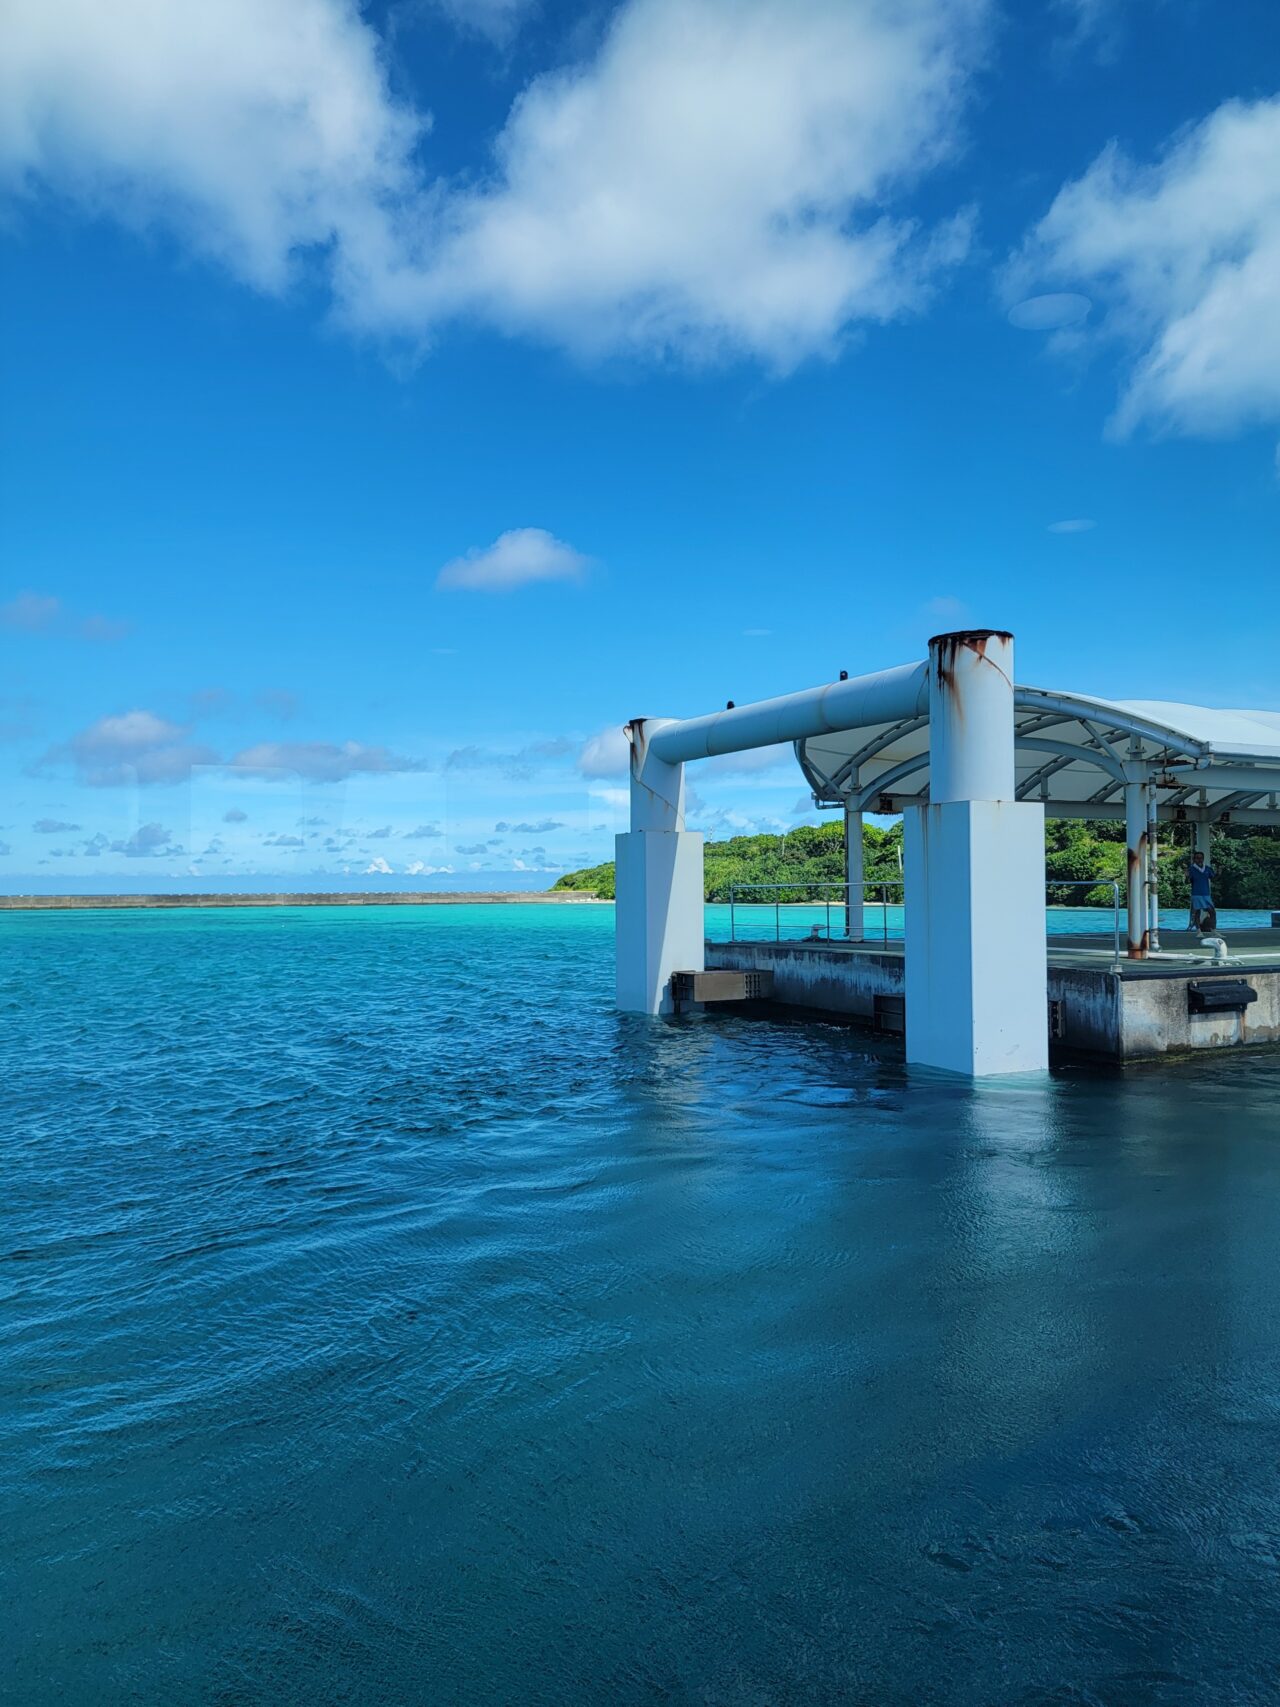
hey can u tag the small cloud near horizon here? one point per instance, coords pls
(946, 608)
(1051, 312)
(518, 558)
(147, 841)
(31, 613)
(279, 702)
(1080, 524)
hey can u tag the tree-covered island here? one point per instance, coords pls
(1246, 862)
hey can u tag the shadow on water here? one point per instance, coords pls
(384, 1318)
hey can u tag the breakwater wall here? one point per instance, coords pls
(425, 898)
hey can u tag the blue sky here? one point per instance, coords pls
(397, 399)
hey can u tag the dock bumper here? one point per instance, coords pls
(1219, 995)
(688, 988)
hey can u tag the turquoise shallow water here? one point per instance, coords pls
(383, 1319)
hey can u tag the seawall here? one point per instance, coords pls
(425, 898)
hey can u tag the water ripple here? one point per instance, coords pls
(384, 1319)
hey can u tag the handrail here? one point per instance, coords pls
(883, 884)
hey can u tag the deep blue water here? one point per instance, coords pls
(383, 1319)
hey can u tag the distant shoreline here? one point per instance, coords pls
(425, 898)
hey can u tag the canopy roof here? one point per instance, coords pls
(1070, 750)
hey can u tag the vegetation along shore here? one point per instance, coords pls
(1246, 862)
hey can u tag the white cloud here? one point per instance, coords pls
(719, 179)
(754, 759)
(1186, 254)
(618, 798)
(609, 754)
(1080, 524)
(35, 611)
(515, 559)
(279, 702)
(521, 765)
(147, 841)
(419, 869)
(104, 628)
(321, 761)
(946, 608)
(138, 747)
(1091, 22)
(30, 611)
(725, 821)
(378, 867)
(606, 754)
(132, 747)
(253, 131)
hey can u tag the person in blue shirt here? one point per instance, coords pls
(1204, 915)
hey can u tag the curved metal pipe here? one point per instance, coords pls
(888, 696)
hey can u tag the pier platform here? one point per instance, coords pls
(1130, 1010)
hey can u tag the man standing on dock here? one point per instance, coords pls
(1204, 915)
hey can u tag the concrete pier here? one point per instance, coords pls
(1141, 1012)
(974, 762)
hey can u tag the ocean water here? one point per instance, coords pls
(384, 1319)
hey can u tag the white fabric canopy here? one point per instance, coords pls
(1069, 749)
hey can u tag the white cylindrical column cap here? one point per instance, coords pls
(971, 716)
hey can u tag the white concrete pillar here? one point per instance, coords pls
(658, 913)
(1135, 820)
(853, 871)
(1204, 838)
(970, 717)
(974, 868)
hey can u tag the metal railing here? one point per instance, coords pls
(1097, 883)
(841, 903)
(836, 897)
